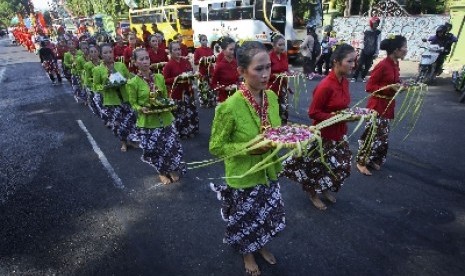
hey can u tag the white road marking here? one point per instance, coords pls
(2, 74)
(117, 181)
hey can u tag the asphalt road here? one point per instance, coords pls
(62, 212)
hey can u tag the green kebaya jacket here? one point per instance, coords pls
(100, 78)
(139, 90)
(79, 65)
(235, 124)
(69, 61)
(86, 76)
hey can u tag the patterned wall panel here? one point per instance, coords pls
(414, 28)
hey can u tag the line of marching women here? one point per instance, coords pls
(135, 104)
(153, 106)
(330, 96)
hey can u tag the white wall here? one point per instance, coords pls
(414, 28)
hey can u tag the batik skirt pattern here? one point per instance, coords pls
(279, 86)
(124, 123)
(283, 105)
(67, 73)
(50, 67)
(91, 101)
(110, 112)
(186, 116)
(101, 110)
(162, 149)
(207, 97)
(253, 215)
(313, 174)
(79, 93)
(376, 151)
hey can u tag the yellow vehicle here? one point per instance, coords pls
(170, 20)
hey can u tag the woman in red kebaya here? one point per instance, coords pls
(61, 49)
(386, 72)
(180, 89)
(161, 41)
(330, 96)
(279, 65)
(118, 49)
(156, 54)
(207, 96)
(225, 76)
(127, 54)
(184, 49)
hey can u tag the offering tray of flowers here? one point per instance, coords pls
(357, 113)
(288, 136)
(116, 80)
(160, 104)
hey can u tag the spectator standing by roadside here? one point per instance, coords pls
(306, 49)
(326, 52)
(371, 40)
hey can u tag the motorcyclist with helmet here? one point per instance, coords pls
(444, 39)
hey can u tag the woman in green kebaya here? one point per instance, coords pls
(159, 137)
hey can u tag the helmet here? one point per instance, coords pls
(374, 20)
(310, 28)
(448, 26)
(441, 29)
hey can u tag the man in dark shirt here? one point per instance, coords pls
(49, 61)
(370, 49)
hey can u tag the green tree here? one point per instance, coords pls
(426, 6)
(113, 8)
(9, 9)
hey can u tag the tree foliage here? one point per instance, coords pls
(9, 9)
(114, 8)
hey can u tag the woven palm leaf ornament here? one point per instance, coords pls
(411, 105)
(292, 138)
(298, 81)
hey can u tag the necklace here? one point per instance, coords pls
(149, 80)
(110, 67)
(262, 110)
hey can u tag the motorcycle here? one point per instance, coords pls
(427, 70)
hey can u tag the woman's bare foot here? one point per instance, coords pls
(363, 170)
(267, 256)
(317, 202)
(133, 144)
(327, 194)
(124, 147)
(164, 179)
(174, 176)
(375, 166)
(251, 267)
